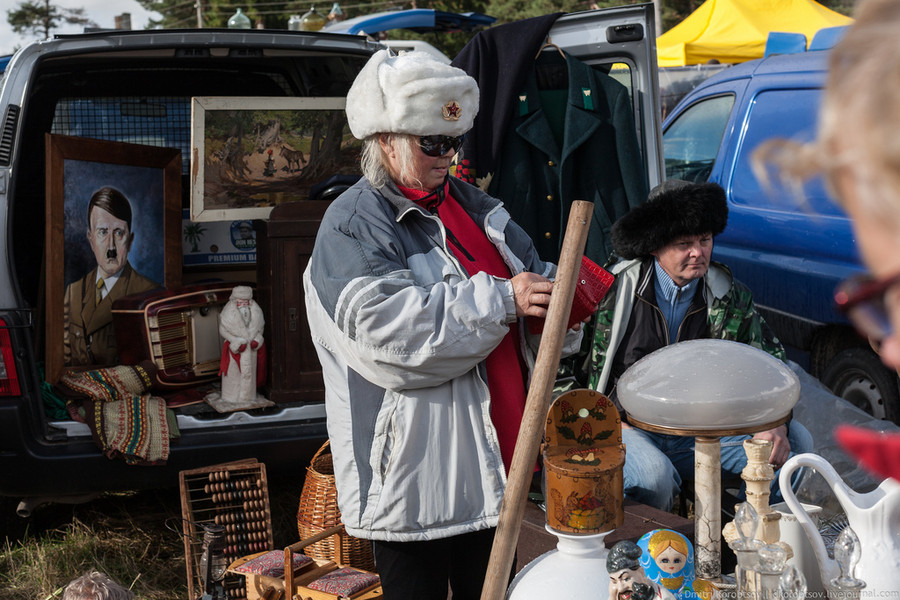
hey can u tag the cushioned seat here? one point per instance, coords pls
(344, 582)
(271, 564)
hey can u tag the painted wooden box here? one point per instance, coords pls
(583, 459)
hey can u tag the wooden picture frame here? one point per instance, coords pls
(252, 153)
(149, 177)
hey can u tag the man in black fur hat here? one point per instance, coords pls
(668, 290)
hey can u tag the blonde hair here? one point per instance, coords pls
(658, 543)
(94, 585)
(666, 538)
(859, 120)
(374, 163)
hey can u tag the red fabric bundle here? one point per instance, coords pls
(876, 451)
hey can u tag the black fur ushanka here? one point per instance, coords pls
(674, 209)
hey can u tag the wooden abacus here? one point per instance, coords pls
(232, 495)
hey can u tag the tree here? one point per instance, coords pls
(175, 14)
(38, 17)
(193, 233)
(515, 10)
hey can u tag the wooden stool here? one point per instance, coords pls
(300, 582)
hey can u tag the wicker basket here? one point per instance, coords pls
(319, 511)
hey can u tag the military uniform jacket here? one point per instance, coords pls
(599, 161)
(88, 334)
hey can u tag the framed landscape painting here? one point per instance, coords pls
(250, 154)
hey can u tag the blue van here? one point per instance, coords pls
(791, 249)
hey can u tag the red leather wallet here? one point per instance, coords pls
(592, 284)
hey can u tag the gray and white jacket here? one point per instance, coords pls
(402, 333)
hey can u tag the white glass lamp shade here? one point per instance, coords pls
(708, 385)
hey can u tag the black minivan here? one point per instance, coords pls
(134, 87)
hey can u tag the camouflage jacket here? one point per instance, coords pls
(730, 315)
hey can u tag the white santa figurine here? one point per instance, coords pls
(243, 353)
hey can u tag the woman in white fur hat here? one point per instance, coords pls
(416, 293)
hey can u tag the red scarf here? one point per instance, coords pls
(476, 253)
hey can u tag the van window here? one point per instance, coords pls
(691, 142)
(624, 73)
(784, 113)
(151, 121)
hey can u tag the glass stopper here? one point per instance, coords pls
(746, 521)
(847, 551)
(793, 584)
(772, 558)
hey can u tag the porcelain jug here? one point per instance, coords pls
(873, 516)
(792, 532)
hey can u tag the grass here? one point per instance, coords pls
(132, 537)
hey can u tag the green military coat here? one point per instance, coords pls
(597, 157)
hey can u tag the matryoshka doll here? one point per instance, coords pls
(668, 559)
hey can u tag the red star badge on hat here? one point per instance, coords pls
(451, 111)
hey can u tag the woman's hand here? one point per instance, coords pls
(532, 294)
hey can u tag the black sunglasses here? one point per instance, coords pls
(438, 145)
(861, 298)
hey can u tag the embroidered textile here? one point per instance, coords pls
(271, 563)
(344, 582)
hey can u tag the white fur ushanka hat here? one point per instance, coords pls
(411, 93)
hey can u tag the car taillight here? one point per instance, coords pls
(9, 379)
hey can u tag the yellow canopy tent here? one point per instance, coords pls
(733, 31)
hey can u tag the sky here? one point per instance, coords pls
(101, 12)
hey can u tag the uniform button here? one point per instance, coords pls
(549, 197)
(548, 235)
(550, 163)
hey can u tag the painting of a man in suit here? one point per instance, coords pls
(88, 335)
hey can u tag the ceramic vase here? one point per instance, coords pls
(576, 569)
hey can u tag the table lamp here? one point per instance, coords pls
(708, 389)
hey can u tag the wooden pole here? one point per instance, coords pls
(537, 403)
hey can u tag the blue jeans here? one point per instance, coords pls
(656, 464)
